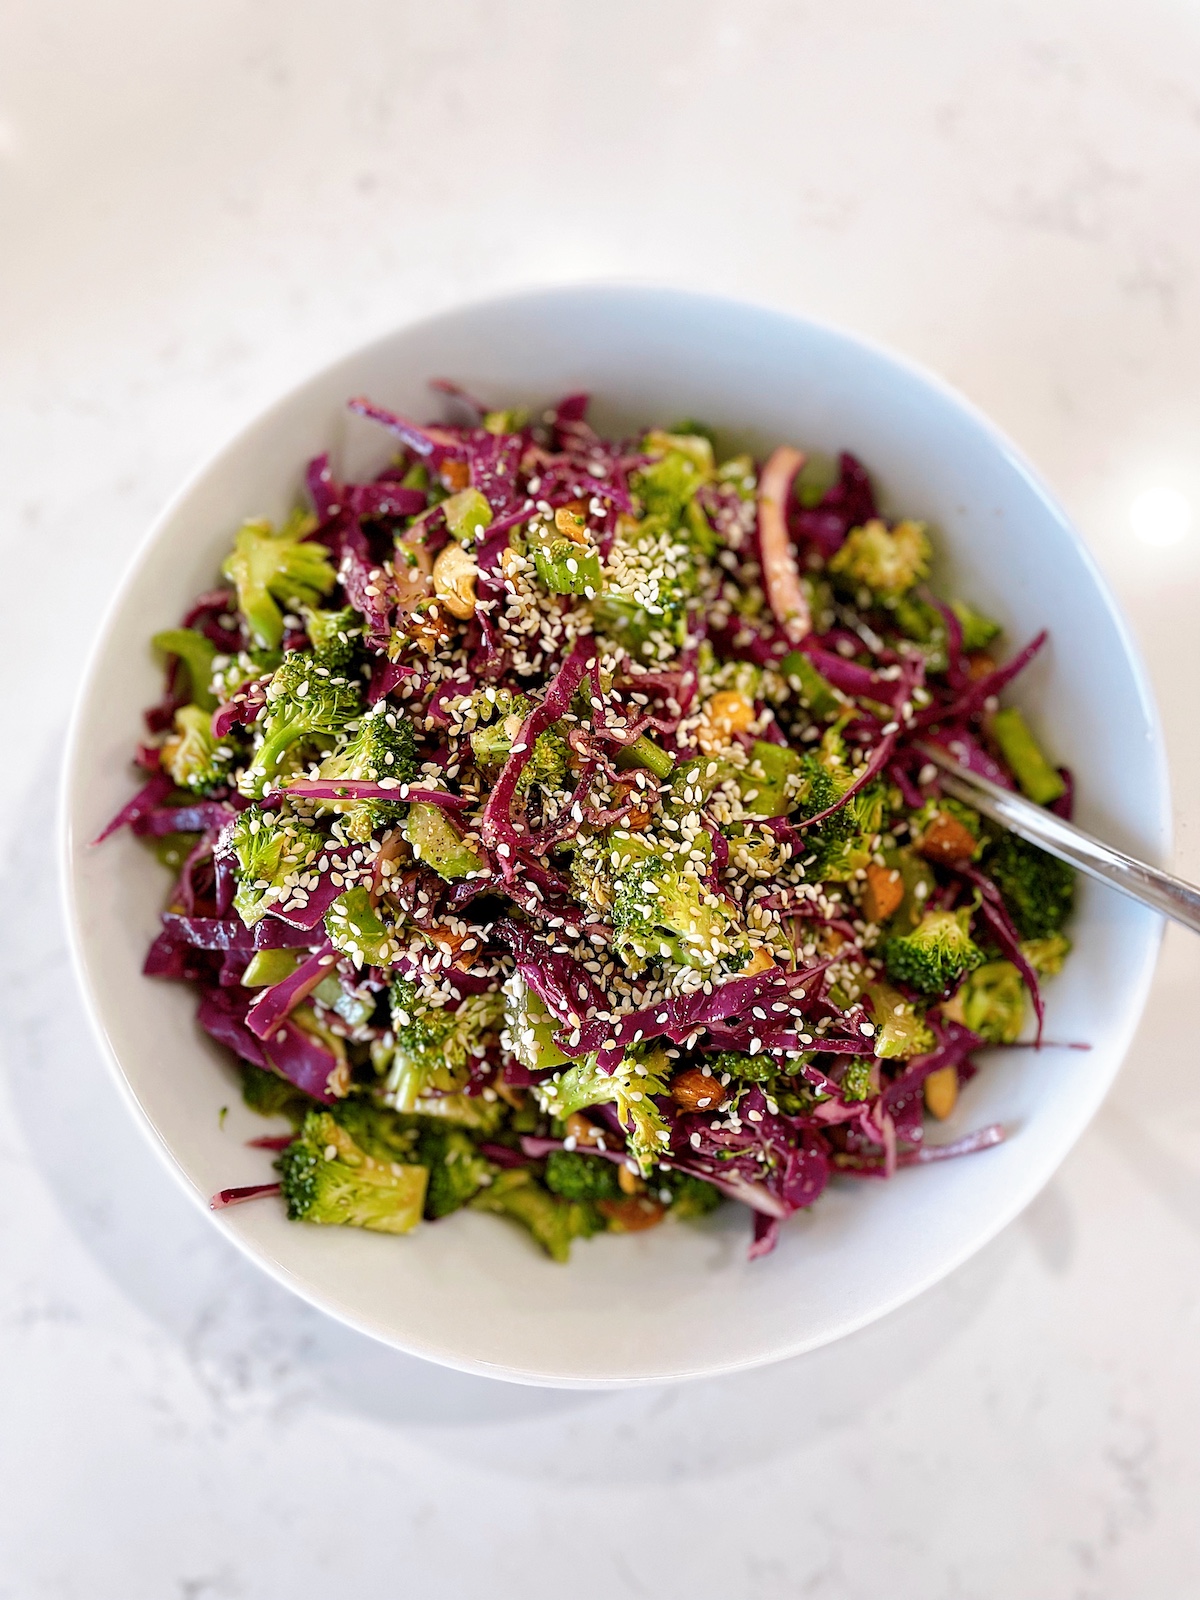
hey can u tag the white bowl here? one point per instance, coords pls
(682, 1301)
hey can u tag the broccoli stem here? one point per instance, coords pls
(1029, 766)
(196, 652)
(644, 752)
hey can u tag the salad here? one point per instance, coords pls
(551, 832)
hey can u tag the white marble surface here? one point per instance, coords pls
(199, 203)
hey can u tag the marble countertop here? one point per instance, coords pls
(199, 204)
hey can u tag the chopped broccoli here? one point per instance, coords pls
(191, 755)
(580, 1177)
(772, 779)
(922, 622)
(513, 420)
(1021, 751)
(564, 557)
(683, 462)
(991, 1002)
(919, 882)
(978, 631)
(269, 967)
(662, 911)
(501, 715)
(270, 1095)
(640, 1074)
(1038, 889)
(467, 514)
(434, 1045)
(436, 841)
(269, 565)
(887, 561)
(332, 634)
(856, 1081)
(748, 1068)
(382, 746)
(811, 688)
(307, 705)
(643, 752)
(456, 1169)
(935, 953)
(356, 928)
(385, 1134)
(650, 576)
(197, 654)
(1046, 956)
(551, 1221)
(328, 1178)
(270, 849)
(901, 1031)
(529, 1027)
(687, 1196)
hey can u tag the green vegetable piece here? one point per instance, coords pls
(922, 622)
(382, 746)
(1046, 956)
(268, 848)
(191, 755)
(1021, 751)
(308, 707)
(650, 575)
(269, 967)
(269, 565)
(333, 634)
(436, 841)
(565, 564)
(746, 1068)
(741, 472)
(580, 1177)
(856, 1078)
(197, 653)
(901, 1031)
(1038, 889)
(810, 686)
(385, 1134)
(434, 1045)
(667, 485)
(643, 752)
(770, 782)
(467, 514)
(688, 1197)
(991, 1002)
(662, 911)
(456, 1169)
(173, 849)
(552, 1222)
(357, 930)
(919, 882)
(327, 1178)
(272, 1096)
(511, 421)
(530, 1028)
(978, 631)
(887, 561)
(935, 953)
(640, 1074)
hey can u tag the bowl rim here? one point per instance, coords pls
(631, 291)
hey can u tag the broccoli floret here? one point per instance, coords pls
(269, 848)
(662, 911)
(687, 1196)
(991, 1002)
(434, 1045)
(1037, 778)
(307, 704)
(500, 721)
(650, 576)
(269, 564)
(564, 557)
(381, 1132)
(197, 654)
(640, 1074)
(1038, 889)
(856, 1082)
(978, 631)
(191, 755)
(551, 1221)
(683, 463)
(1046, 956)
(327, 1178)
(887, 561)
(456, 1169)
(925, 625)
(529, 1027)
(356, 928)
(935, 953)
(436, 841)
(270, 1095)
(747, 1068)
(901, 1031)
(333, 635)
(579, 1177)
(382, 746)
